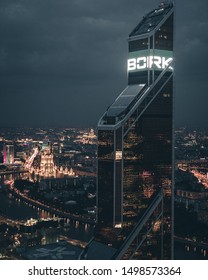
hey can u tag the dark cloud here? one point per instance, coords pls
(191, 61)
(63, 62)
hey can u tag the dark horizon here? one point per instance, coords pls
(187, 127)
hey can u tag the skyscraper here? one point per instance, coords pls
(135, 150)
(8, 154)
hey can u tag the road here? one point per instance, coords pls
(11, 222)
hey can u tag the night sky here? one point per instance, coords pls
(63, 62)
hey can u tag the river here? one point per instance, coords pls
(13, 208)
(16, 209)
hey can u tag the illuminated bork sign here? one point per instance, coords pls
(149, 62)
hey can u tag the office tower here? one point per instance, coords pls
(8, 154)
(135, 150)
(47, 166)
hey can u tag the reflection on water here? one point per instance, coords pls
(78, 230)
(86, 227)
(187, 252)
(43, 214)
(16, 209)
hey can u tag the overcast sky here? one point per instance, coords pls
(63, 62)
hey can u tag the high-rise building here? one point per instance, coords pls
(8, 154)
(47, 166)
(135, 150)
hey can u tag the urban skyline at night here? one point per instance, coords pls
(34, 198)
(134, 186)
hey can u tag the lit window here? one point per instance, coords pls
(118, 155)
(166, 95)
(118, 225)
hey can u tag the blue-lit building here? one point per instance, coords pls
(135, 150)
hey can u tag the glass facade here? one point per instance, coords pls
(106, 178)
(135, 148)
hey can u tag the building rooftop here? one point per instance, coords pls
(152, 19)
(58, 251)
(123, 104)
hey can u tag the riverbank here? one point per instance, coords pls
(14, 191)
(16, 209)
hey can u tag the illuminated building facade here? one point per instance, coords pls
(46, 167)
(135, 149)
(8, 154)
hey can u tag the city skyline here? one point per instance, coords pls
(54, 57)
(78, 150)
(134, 188)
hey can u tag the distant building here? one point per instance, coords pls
(8, 154)
(191, 198)
(47, 166)
(196, 201)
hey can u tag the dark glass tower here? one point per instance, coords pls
(135, 149)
